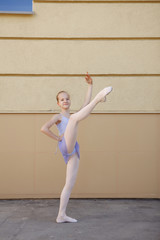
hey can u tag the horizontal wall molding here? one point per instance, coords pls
(91, 1)
(78, 75)
(82, 39)
(73, 111)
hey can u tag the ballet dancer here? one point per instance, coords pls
(67, 140)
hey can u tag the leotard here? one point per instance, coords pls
(62, 144)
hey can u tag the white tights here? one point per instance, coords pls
(71, 174)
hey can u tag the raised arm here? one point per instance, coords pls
(89, 91)
(46, 127)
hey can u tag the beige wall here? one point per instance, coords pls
(119, 157)
(118, 43)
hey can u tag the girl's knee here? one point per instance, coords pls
(69, 186)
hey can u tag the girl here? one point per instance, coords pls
(68, 125)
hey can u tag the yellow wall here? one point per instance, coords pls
(118, 43)
(37, 94)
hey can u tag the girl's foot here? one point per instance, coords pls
(101, 96)
(65, 219)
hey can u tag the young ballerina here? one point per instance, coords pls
(67, 140)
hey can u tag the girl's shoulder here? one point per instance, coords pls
(57, 118)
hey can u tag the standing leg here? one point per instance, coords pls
(71, 174)
(70, 134)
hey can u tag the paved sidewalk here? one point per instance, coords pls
(98, 219)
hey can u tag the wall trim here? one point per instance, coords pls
(96, 1)
(82, 38)
(73, 111)
(77, 75)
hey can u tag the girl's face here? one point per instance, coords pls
(64, 101)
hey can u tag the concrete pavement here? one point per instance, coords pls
(98, 219)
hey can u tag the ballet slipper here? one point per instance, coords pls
(108, 89)
(65, 219)
(102, 95)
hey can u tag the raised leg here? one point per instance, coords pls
(71, 174)
(70, 134)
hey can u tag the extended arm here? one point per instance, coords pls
(89, 91)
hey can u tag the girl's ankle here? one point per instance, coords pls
(61, 215)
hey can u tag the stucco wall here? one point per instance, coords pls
(118, 43)
(119, 157)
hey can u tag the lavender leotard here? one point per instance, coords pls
(62, 144)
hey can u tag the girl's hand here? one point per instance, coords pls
(60, 138)
(88, 79)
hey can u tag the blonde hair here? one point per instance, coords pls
(60, 93)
